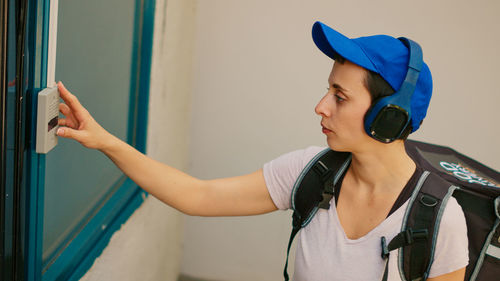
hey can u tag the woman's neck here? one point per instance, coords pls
(383, 167)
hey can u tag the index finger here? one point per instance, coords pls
(69, 98)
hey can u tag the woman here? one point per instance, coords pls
(342, 243)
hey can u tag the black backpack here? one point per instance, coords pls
(446, 173)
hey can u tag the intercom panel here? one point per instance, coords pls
(47, 120)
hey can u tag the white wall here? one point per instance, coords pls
(258, 76)
(148, 246)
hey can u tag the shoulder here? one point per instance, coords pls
(293, 162)
(281, 173)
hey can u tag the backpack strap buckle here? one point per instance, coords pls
(328, 192)
(404, 238)
(327, 176)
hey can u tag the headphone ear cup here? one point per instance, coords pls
(370, 114)
(388, 118)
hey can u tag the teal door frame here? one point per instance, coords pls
(12, 185)
(77, 253)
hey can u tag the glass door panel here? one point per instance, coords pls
(94, 60)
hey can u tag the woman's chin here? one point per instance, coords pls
(338, 144)
(335, 144)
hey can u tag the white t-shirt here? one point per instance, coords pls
(325, 253)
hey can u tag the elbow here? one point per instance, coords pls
(194, 203)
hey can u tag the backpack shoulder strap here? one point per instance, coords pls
(426, 212)
(314, 189)
(417, 240)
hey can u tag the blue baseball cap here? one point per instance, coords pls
(381, 54)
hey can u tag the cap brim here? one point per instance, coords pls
(333, 43)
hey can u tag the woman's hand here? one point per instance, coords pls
(79, 124)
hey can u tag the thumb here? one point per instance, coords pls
(67, 132)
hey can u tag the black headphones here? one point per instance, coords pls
(389, 118)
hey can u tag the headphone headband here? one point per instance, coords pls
(389, 117)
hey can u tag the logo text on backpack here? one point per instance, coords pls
(465, 174)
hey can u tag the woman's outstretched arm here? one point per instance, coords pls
(236, 196)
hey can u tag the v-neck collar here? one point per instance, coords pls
(394, 218)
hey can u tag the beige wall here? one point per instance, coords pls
(258, 76)
(148, 246)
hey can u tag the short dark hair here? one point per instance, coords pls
(377, 87)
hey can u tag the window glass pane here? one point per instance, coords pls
(94, 59)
